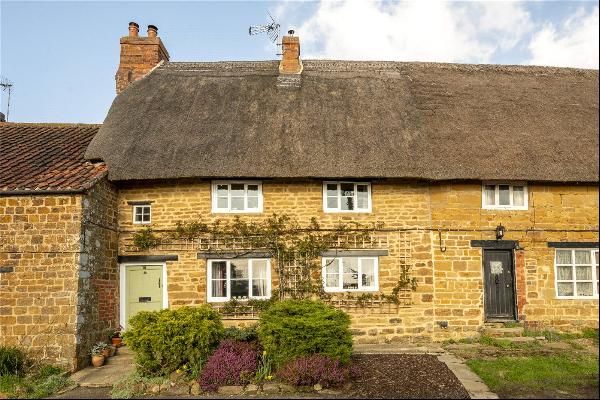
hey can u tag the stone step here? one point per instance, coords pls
(519, 339)
(503, 332)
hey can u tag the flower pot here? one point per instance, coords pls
(106, 352)
(116, 341)
(98, 360)
(113, 350)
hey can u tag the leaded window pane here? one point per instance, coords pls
(222, 190)
(332, 189)
(222, 202)
(362, 196)
(332, 202)
(367, 272)
(237, 203)
(252, 202)
(239, 269)
(347, 203)
(347, 189)
(237, 189)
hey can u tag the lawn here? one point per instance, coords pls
(558, 376)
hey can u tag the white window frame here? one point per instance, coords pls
(338, 209)
(340, 288)
(228, 210)
(213, 299)
(573, 265)
(496, 206)
(135, 207)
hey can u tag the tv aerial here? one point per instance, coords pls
(6, 86)
(271, 29)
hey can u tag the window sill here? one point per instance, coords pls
(351, 290)
(505, 208)
(577, 297)
(236, 212)
(347, 211)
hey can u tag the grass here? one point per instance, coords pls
(550, 375)
(39, 384)
(554, 336)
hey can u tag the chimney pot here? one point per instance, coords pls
(152, 31)
(133, 29)
(291, 31)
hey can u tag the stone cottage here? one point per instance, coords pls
(481, 180)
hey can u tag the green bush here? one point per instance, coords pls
(169, 339)
(12, 361)
(245, 334)
(294, 328)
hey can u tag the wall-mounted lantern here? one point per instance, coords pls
(500, 231)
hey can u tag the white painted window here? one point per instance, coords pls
(576, 273)
(504, 196)
(237, 197)
(346, 196)
(142, 214)
(344, 274)
(239, 279)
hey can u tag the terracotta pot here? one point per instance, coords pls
(106, 352)
(98, 360)
(113, 350)
(116, 341)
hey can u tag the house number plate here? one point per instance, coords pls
(496, 267)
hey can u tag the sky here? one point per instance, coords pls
(61, 57)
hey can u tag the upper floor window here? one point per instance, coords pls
(239, 196)
(576, 273)
(344, 274)
(239, 279)
(346, 197)
(505, 196)
(142, 214)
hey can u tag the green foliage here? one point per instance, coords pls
(98, 348)
(265, 368)
(38, 384)
(565, 372)
(13, 361)
(293, 328)
(168, 339)
(134, 385)
(146, 239)
(235, 306)
(590, 333)
(246, 334)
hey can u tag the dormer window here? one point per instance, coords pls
(237, 197)
(504, 196)
(346, 197)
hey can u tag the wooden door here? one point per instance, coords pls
(499, 285)
(144, 289)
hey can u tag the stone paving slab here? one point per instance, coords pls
(471, 381)
(105, 376)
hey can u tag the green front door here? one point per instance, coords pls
(144, 289)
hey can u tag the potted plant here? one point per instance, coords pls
(115, 338)
(103, 349)
(113, 350)
(96, 353)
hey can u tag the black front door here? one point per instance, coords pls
(499, 292)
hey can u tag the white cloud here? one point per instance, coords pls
(411, 31)
(573, 44)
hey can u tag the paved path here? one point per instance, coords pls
(470, 380)
(105, 376)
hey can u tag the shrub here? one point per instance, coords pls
(294, 328)
(167, 339)
(12, 361)
(246, 334)
(232, 363)
(317, 368)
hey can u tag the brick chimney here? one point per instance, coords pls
(139, 55)
(290, 66)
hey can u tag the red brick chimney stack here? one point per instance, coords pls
(139, 55)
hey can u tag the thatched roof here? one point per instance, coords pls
(355, 120)
(41, 158)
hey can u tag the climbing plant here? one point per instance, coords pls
(297, 249)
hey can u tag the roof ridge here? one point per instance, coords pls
(49, 124)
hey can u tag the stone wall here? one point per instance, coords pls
(39, 238)
(98, 283)
(417, 216)
(62, 295)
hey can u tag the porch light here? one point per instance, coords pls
(500, 231)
